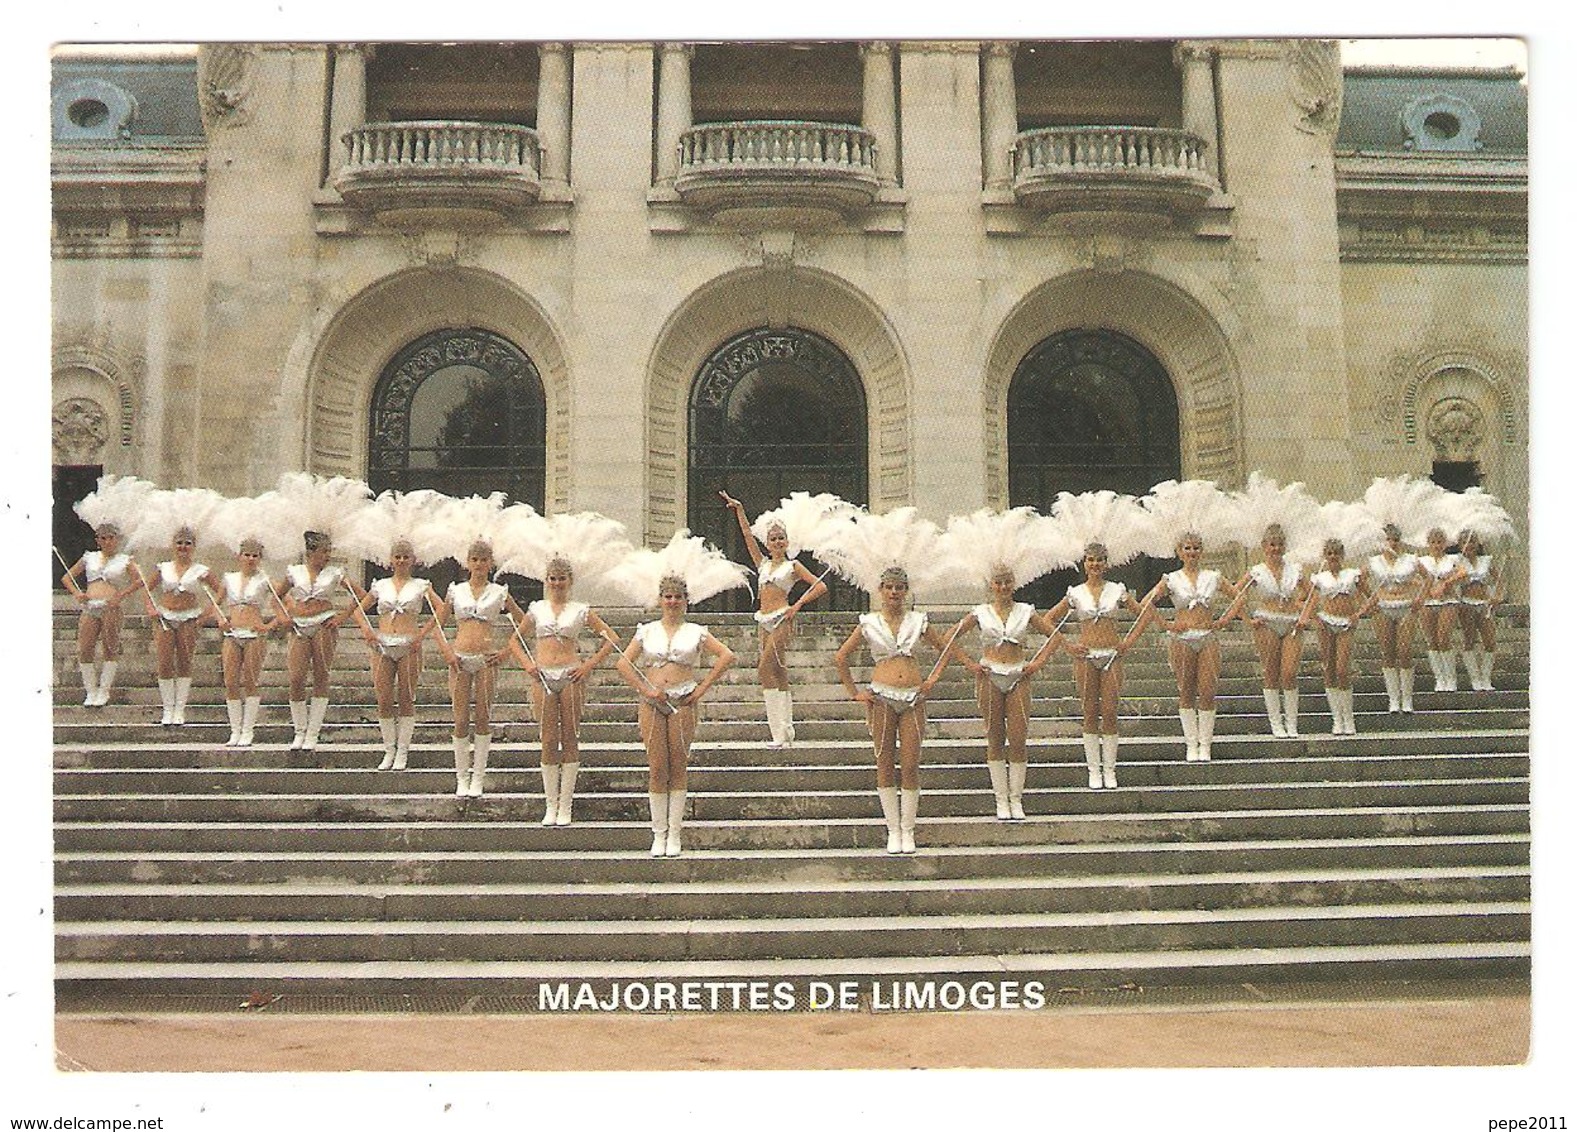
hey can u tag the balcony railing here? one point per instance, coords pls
(1068, 168)
(416, 167)
(777, 164)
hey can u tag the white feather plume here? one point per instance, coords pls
(117, 499)
(167, 510)
(454, 524)
(393, 516)
(861, 549)
(319, 503)
(1022, 540)
(808, 520)
(1360, 532)
(706, 570)
(1117, 521)
(1176, 508)
(592, 544)
(1477, 511)
(1415, 505)
(268, 518)
(1263, 502)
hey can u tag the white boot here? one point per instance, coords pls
(167, 698)
(1273, 712)
(298, 720)
(892, 815)
(675, 822)
(1016, 775)
(566, 792)
(1344, 703)
(1470, 663)
(1393, 690)
(1437, 669)
(1109, 761)
(106, 682)
(1092, 758)
(183, 688)
(249, 719)
(552, 774)
(998, 769)
(1334, 699)
(462, 766)
(659, 808)
(480, 746)
(233, 709)
(1404, 681)
(1207, 732)
(788, 717)
(1190, 719)
(316, 710)
(1486, 661)
(389, 729)
(90, 683)
(908, 812)
(404, 732)
(776, 723)
(1448, 664)
(1289, 704)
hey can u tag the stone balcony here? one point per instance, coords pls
(449, 174)
(796, 169)
(1112, 169)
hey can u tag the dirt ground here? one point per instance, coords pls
(1490, 1030)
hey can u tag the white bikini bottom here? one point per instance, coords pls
(1476, 602)
(472, 662)
(1195, 639)
(897, 700)
(1005, 677)
(176, 616)
(1276, 621)
(308, 626)
(555, 680)
(394, 647)
(770, 621)
(1396, 608)
(1336, 624)
(1101, 659)
(1437, 602)
(241, 636)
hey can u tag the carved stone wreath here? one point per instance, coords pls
(224, 82)
(79, 431)
(1314, 80)
(1455, 426)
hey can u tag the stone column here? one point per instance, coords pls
(553, 113)
(999, 113)
(879, 108)
(673, 107)
(348, 107)
(1196, 61)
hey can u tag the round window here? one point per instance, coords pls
(1442, 125)
(87, 113)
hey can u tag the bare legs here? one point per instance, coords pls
(896, 739)
(1006, 717)
(1396, 660)
(174, 646)
(773, 672)
(1336, 661)
(394, 684)
(92, 632)
(1197, 674)
(1098, 690)
(471, 694)
(558, 715)
(1279, 657)
(667, 738)
(312, 656)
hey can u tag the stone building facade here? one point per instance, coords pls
(614, 276)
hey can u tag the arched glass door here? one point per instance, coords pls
(1090, 409)
(462, 412)
(774, 411)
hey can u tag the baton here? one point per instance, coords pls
(513, 624)
(70, 581)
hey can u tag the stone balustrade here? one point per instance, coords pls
(418, 167)
(777, 164)
(1111, 167)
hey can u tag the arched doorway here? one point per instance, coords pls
(462, 412)
(1086, 410)
(774, 411)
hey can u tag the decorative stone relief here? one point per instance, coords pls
(1413, 371)
(224, 82)
(439, 247)
(92, 109)
(79, 430)
(1442, 123)
(1314, 80)
(1455, 426)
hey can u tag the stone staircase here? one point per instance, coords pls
(184, 867)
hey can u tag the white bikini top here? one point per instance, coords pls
(781, 576)
(569, 624)
(1283, 588)
(1438, 568)
(881, 640)
(1192, 595)
(684, 647)
(995, 631)
(408, 600)
(170, 583)
(1085, 607)
(116, 571)
(468, 607)
(1335, 586)
(1393, 573)
(329, 579)
(1478, 571)
(253, 592)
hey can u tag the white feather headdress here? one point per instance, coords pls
(808, 520)
(455, 524)
(1355, 525)
(265, 518)
(318, 503)
(393, 516)
(1022, 540)
(1118, 522)
(706, 571)
(167, 510)
(592, 544)
(1415, 505)
(1197, 506)
(1263, 502)
(120, 500)
(861, 549)
(1477, 511)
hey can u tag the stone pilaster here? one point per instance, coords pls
(999, 112)
(553, 115)
(1196, 62)
(673, 107)
(349, 100)
(879, 108)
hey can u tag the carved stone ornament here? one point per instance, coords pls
(1455, 426)
(80, 429)
(224, 82)
(1314, 80)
